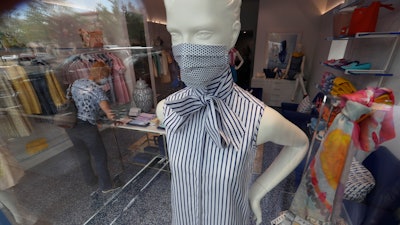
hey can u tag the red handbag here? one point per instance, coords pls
(364, 19)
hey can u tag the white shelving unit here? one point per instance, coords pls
(276, 91)
(343, 53)
(381, 71)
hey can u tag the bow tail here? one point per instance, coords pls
(184, 109)
(224, 126)
(213, 127)
(233, 127)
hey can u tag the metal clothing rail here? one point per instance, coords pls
(162, 161)
(131, 181)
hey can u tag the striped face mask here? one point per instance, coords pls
(200, 64)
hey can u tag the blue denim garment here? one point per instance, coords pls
(42, 91)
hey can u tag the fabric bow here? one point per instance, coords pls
(221, 123)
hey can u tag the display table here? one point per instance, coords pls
(148, 129)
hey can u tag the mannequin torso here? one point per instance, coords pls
(209, 22)
(296, 70)
(234, 56)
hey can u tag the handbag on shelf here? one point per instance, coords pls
(66, 116)
(364, 19)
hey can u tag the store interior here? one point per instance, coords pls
(55, 43)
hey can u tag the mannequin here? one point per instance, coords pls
(234, 56)
(217, 23)
(295, 68)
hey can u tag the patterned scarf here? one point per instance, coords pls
(221, 123)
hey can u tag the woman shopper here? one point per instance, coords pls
(90, 99)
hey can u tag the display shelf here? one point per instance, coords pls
(333, 67)
(382, 70)
(372, 72)
(377, 34)
(379, 73)
(389, 34)
(56, 139)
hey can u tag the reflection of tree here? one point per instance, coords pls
(45, 24)
(134, 22)
(63, 29)
(35, 23)
(8, 40)
(41, 23)
(10, 31)
(111, 22)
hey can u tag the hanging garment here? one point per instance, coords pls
(366, 115)
(78, 67)
(154, 66)
(39, 83)
(7, 99)
(13, 122)
(157, 63)
(165, 76)
(108, 87)
(26, 93)
(120, 87)
(129, 74)
(55, 89)
(211, 163)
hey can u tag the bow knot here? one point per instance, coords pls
(220, 122)
(205, 100)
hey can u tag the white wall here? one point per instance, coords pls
(287, 16)
(388, 21)
(305, 17)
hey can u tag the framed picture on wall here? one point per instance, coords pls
(279, 47)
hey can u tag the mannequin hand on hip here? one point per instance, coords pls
(254, 198)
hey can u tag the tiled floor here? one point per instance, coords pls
(55, 191)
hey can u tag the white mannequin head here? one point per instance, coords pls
(205, 22)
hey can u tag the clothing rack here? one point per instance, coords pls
(128, 61)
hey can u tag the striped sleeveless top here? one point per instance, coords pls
(209, 184)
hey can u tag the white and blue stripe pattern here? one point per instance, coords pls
(210, 183)
(221, 123)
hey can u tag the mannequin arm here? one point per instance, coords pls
(275, 128)
(240, 59)
(302, 65)
(287, 68)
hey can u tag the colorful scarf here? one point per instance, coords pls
(365, 121)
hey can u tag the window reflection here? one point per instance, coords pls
(45, 45)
